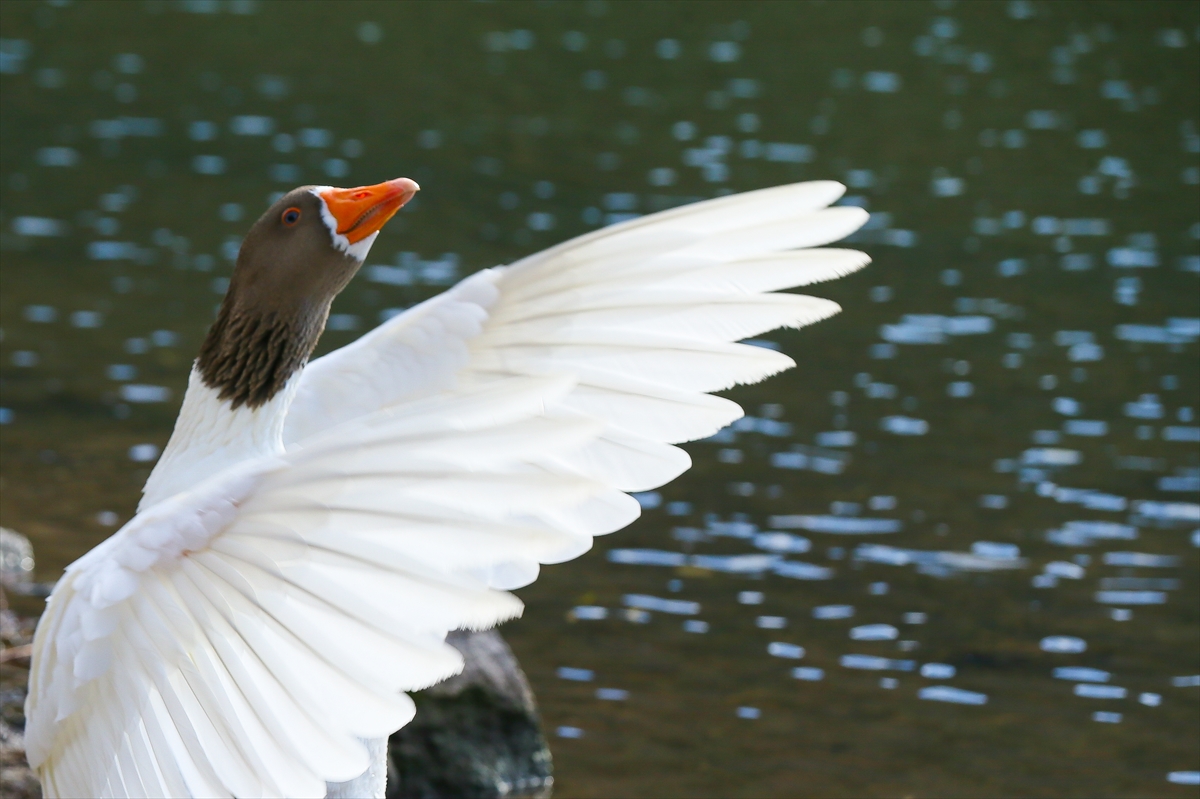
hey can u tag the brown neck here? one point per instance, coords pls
(248, 358)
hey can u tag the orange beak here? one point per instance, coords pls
(362, 211)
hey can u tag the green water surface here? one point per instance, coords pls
(1021, 159)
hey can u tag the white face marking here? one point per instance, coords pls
(358, 250)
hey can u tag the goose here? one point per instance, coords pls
(314, 529)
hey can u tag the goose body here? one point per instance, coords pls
(313, 530)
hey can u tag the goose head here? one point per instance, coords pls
(293, 262)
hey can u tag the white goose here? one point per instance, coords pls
(313, 530)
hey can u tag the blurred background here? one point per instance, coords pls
(953, 553)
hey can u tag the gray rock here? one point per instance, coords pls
(477, 734)
(17, 780)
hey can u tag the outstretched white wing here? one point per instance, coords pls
(239, 638)
(641, 314)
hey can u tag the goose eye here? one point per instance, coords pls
(291, 216)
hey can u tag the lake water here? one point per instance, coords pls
(953, 553)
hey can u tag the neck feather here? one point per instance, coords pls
(249, 357)
(212, 433)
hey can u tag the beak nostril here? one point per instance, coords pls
(362, 195)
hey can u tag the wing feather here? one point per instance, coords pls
(624, 461)
(266, 662)
(255, 738)
(285, 721)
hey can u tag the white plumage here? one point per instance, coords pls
(294, 569)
